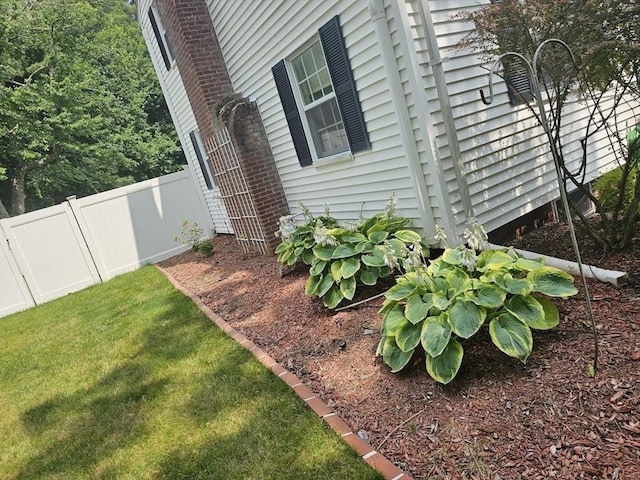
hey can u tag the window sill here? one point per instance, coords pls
(333, 159)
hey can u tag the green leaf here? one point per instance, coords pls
(511, 336)
(452, 256)
(517, 286)
(408, 336)
(378, 236)
(282, 247)
(343, 251)
(445, 366)
(324, 252)
(393, 319)
(349, 267)
(552, 281)
(354, 237)
(458, 280)
(441, 301)
(374, 259)
(336, 270)
(526, 309)
(397, 247)
(325, 284)
(317, 268)
(348, 287)
(400, 291)
(333, 297)
(307, 257)
(415, 310)
(379, 226)
(312, 283)
(364, 247)
(408, 236)
(435, 334)
(493, 259)
(394, 356)
(369, 276)
(465, 318)
(489, 296)
(527, 265)
(551, 315)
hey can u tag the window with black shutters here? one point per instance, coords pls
(196, 142)
(161, 36)
(320, 99)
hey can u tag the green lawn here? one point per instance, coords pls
(129, 380)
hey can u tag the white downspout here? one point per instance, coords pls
(445, 105)
(379, 20)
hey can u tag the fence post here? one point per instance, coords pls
(72, 202)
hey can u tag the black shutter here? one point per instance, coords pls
(292, 113)
(345, 87)
(156, 32)
(203, 167)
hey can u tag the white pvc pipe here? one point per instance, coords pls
(608, 276)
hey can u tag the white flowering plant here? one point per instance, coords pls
(438, 305)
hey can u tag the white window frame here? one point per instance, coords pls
(302, 108)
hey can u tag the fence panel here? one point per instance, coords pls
(14, 292)
(50, 252)
(61, 249)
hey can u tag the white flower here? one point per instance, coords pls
(322, 236)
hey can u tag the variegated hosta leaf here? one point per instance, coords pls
(317, 268)
(399, 291)
(408, 236)
(527, 309)
(378, 236)
(408, 336)
(493, 259)
(394, 356)
(369, 276)
(465, 318)
(511, 336)
(445, 366)
(325, 284)
(350, 266)
(517, 286)
(374, 259)
(528, 265)
(312, 283)
(397, 247)
(307, 257)
(458, 280)
(393, 319)
(324, 252)
(552, 281)
(551, 315)
(348, 287)
(415, 309)
(487, 295)
(353, 237)
(343, 250)
(336, 270)
(333, 297)
(452, 256)
(435, 334)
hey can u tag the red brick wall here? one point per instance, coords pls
(207, 83)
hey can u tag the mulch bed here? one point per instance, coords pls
(498, 419)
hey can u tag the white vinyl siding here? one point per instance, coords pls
(363, 183)
(184, 121)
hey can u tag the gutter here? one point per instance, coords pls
(379, 20)
(606, 276)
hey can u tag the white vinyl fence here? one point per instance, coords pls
(61, 249)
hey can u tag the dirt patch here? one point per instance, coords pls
(498, 419)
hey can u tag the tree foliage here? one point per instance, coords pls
(605, 39)
(81, 110)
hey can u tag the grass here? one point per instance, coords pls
(129, 380)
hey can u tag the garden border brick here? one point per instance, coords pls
(365, 450)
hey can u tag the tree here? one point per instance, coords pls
(604, 37)
(80, 105)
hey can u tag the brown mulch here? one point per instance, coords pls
(498, 419)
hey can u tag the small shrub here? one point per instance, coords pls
(607, 189)
(190, 235)
(435, 306)
(205, 248)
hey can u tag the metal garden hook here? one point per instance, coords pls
(535, 85)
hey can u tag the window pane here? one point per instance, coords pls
(316, 88)
(327, 129)
(307, 60)
(298, 69)
(325, 81)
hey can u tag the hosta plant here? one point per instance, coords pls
(437, 307)
(298, 240)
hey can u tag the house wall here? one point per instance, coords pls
(184, 120)
(277, 31)
(505, 156)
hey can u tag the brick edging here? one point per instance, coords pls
(366, 451)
